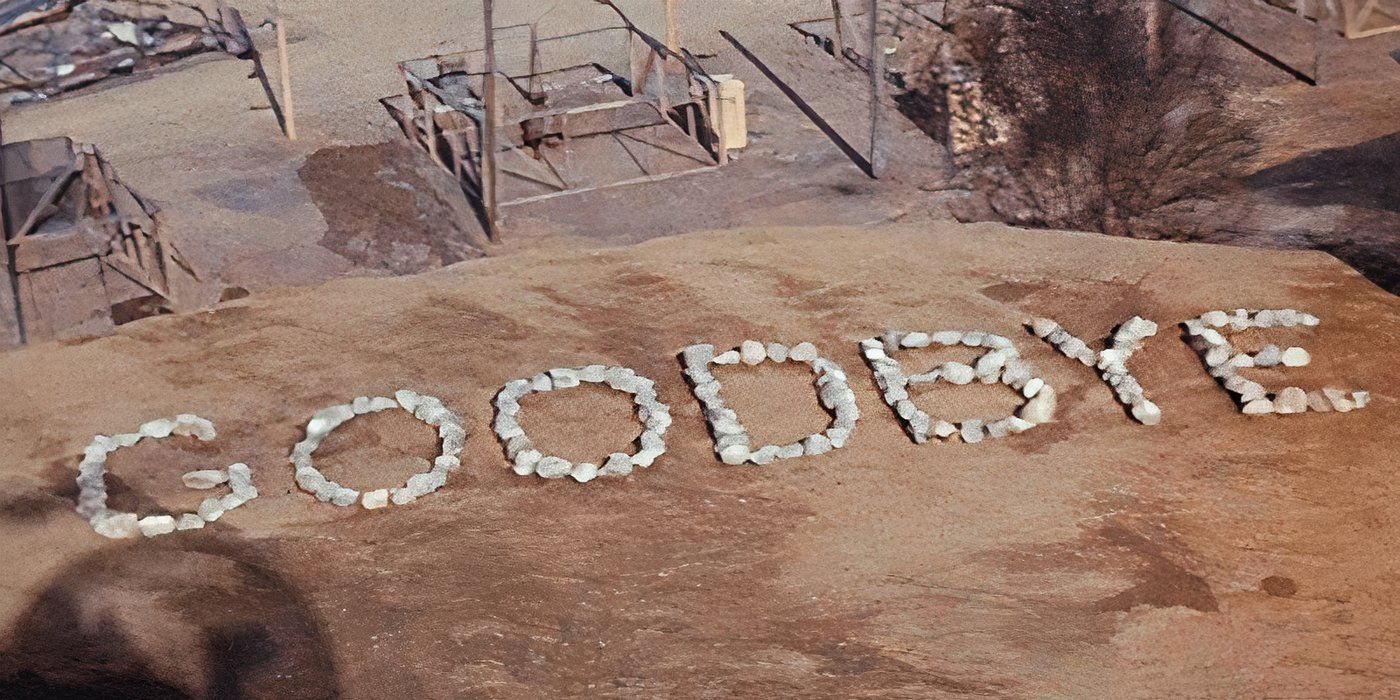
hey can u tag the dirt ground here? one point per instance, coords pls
(1214, 555)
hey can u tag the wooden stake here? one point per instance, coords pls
(671, 41)
(877, 91)
(288, 111)
(5, 258)
(838, 46)
(488, 129)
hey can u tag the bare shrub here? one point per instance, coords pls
(1079, 122)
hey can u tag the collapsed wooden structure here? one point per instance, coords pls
(82, 252)
(53, 46)
(569, 120)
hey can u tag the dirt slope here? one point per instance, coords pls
(1213, 555)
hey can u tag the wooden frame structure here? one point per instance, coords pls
(1363, 18)
(82, 251)
(645, 85)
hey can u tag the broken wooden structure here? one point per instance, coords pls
(569, 120)
(846, 34)
(1363, 18)
(53, 46)
(82, 252)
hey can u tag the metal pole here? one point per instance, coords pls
(288, 111)
(488, 133)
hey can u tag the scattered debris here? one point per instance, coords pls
(53, 46)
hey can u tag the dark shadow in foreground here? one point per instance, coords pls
(198, 617)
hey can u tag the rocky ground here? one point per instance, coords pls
(1213, 555)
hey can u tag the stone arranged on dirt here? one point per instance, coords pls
(423, 407)
(1223, 361)
(92, 486)
(1001, 363)
(655, 417)
(1111, 361)
(731, 440)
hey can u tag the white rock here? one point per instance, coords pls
(116, 525)
(957, 373)
(915, 340)
(1268, 356)
(944, 429)
(1295, 357)
(1215, 318)
(1258, 407)
(1361, 398)
(752, 352)
(1147, 412)
(204, 478)
(1318, 402)
(563, 378)
(378, 498)
(551, 467)
(1291, 400)
(585, 472)
(971, 431)
(1040, 409)
(947, 337)
(159, 428)
(153, 525)
(816, 444)
(1032, 387)
(189, 521)
(803, 352)
(1043, 327)
(735, 453)
(777, 352)
(406, 399)
(343, 496)
(764, 455)
(727, 358)
(210, 509)
(790, 451)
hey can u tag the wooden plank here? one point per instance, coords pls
(65, 301)
(289, 112)
(877, 92)
(488, 131)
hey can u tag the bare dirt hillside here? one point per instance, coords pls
(1214, 555)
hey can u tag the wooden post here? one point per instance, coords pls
(671, 41)
(288, 111)
(838, 45)
(1154, 33)
(877, 91)
(488, 128)
(5, 258)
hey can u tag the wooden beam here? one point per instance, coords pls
(5, 257)
(838, 44)
(877, 92)
(289, 113)
(671, 42)
(488, 129)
